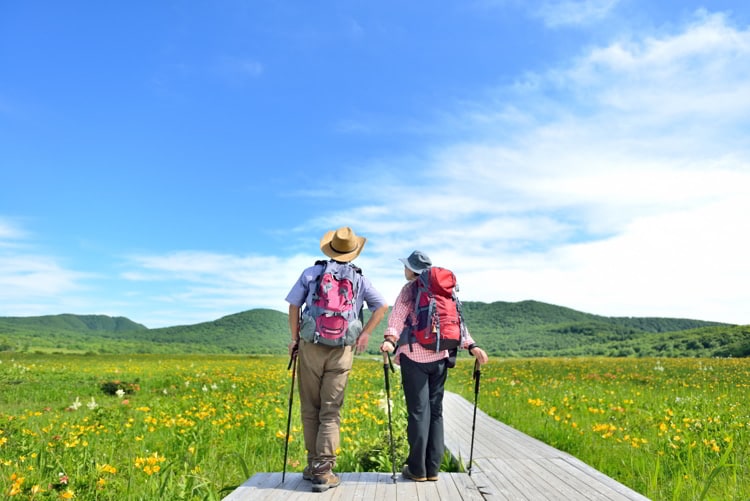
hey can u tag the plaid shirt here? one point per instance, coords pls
(397, 321)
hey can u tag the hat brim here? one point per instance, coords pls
(409, 266)
(325, 248)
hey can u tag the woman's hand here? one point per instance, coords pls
(387, 347)
(480, 355)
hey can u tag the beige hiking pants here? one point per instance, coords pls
(323, 374)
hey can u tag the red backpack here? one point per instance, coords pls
(437, 323)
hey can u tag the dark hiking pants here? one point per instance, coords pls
(424, 384)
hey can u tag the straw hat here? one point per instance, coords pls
(342, 244)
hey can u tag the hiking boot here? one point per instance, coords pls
(408, 475)
(321, 483)
(307, 473)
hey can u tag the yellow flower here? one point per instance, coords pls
(108, 468)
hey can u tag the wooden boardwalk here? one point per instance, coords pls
(507, 465)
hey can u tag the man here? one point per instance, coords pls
(324, 364)
(423, 375)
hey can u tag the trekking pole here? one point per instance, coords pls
(386, 365)
(292, 365)
(476, 376)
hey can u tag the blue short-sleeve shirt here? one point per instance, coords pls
(365, 294)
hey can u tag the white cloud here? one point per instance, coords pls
(9, 232)
(574, 12)
(34, 283)
(211, 285)
(616, 184)
(626, 196)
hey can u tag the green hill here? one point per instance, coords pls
(99, 323)
(257, 331)
(520, 329)
(254, 331)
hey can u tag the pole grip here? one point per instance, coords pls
(386, 359)
(477, 375)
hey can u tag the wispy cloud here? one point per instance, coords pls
(9, 232)
(239, 68)
(615, 183)
(211, 284)
(625, 197)
(574, 12)
(33, 282)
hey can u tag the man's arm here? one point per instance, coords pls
(371, 324)
(293, 326)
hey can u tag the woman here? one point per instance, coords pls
(423, 376)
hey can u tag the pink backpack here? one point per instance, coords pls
(331, 316)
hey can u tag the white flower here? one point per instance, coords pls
(205, 388)
(76, 404)
(120, 393)
(383, 404)
(92, 404)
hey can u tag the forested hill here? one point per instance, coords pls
(520, 329)
(68, 322)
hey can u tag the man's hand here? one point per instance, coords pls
(362, 342)
(293, 346)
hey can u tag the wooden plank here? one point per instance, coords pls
(606, 487)
(368, 482)
(582, 487)
(492, 438)
(293, 483)
(406, 489)
(466, 487)
(386, 487)
(517, 478)
(346, 490)
(493, 484)
(446, 487)
(257, 487)
(427, 491)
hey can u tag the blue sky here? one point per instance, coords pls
(175, 162)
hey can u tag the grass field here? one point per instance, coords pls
(191, 427)
(673, 429)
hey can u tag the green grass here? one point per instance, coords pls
(190, 427)
(671, 429)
